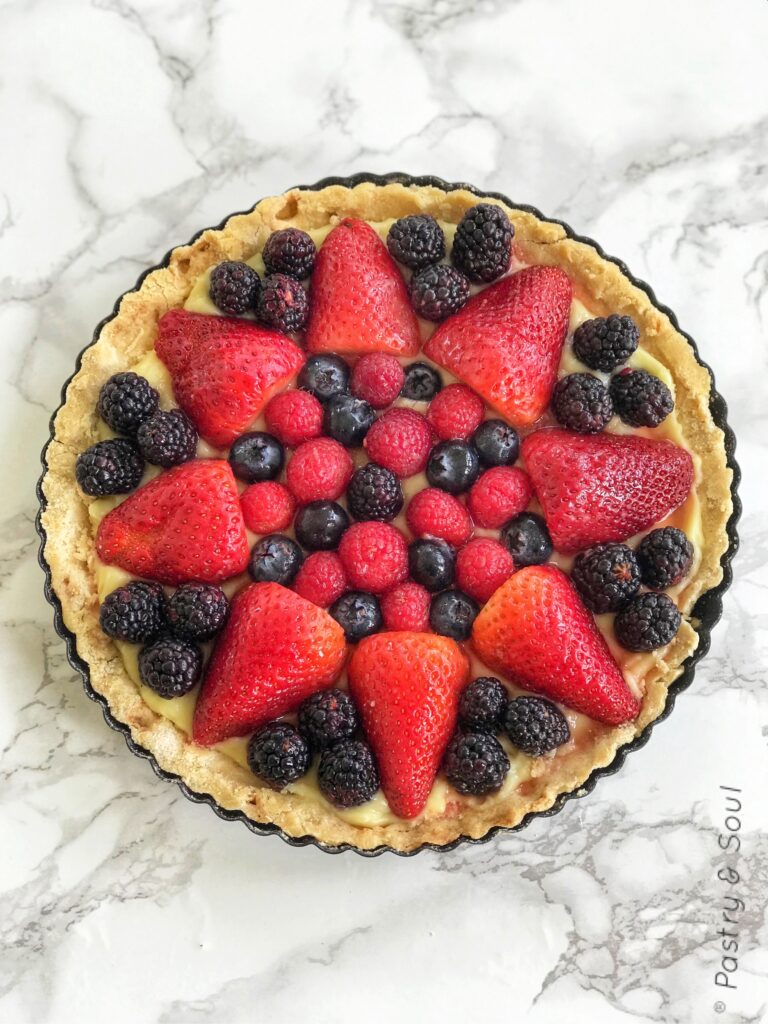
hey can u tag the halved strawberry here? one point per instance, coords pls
(506, 342)
(536, 631)
(224, 370)
(407, 687)
(604, 487)
(359, 299)
(276, 650)
(185, 525)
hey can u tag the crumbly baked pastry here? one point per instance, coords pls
(623, 470)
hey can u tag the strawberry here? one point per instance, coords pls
(536, 631)
(604, 487)
(506, 342)
(184, 525)
(276, 650)
(359, 300)
(224, 370)
(407, 687)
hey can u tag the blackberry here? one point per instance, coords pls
(358, 614)
(327, 717)
(497, 443)
(416, 241)
(277, 754)
(348, 419)
(347, 774)
(234, 287)
(640, 399)
(320, 524)
(650, 621)
(527, 539)
(125, 401)
(606, 576)
(170, 667)
(374, 493)
(665, 557)
(197, 611)
(581, 402)
(275, 559)
(283, 304)
(535, 725)
(290, 252)
(109, 467)
(482, 245)
(452, 613)
(606, 342)
(324, 377)
(167, 438)
(482, 704)
(256, 456)
(438, 292)
(135, 613)
(421, 384)
(432, 563)
(475, 763)
(453, 466)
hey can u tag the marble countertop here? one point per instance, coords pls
(128, 125)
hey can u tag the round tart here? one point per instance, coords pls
(379, 514)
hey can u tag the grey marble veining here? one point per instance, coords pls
(127, 126)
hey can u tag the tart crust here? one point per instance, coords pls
(69, 547)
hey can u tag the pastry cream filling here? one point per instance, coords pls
(377, 812)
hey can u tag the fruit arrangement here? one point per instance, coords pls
(355, 505)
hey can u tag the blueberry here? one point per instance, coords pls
(347, 420)
(431, 563)
(422, 382)
(497, 443)
(358, 614)
(320, 524)
(453, 466)
(452, 614)
(256, 456)
(527, 539)
(275, 559)
(324, 377)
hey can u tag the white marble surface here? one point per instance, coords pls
(128, 125)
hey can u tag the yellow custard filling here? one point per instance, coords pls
(377, 812)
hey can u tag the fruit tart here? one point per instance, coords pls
(379, 514)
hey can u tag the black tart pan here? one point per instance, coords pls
(707, 610)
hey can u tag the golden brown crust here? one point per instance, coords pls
(129, 335)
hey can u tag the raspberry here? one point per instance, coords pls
(435, 513)
(377, 378)
(400, 441)
(374, 556)
(605, 343)
(416, 241)
(640, 399)
(320, 469)
(294, 417)
(499, 494)
(283, 304)
(321, 579)
(406, 608)
(482, 245)
(234, 287)
(456, 412)
(267, 507)
(482, 566)
(438, 292)
(291, 252)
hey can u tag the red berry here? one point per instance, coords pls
(319, 470)
(374, 556)
(406, 608)
(267, 507)
(294, 417)
(321, 578)
(377, 378)
(499, 494)
(456, 412)
(400, 441)
(435, 513)
(482, 566)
